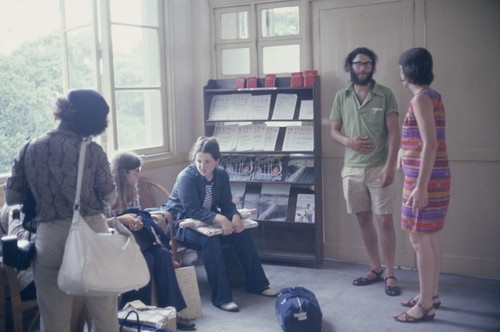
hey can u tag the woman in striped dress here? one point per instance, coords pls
(424, 160)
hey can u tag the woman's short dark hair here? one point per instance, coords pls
(360, 50)
(205, 145)
(416, 64)
(83, 111)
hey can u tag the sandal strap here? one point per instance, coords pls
(378, 275)
(390, 277)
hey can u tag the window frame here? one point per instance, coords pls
(105, 79)
(256, 42)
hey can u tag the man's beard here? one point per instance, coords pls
(363, 82)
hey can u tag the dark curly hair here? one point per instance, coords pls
(83, 111)
(205, 145)
(360, 50)
(416, 64)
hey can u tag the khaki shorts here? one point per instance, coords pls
(363, 191)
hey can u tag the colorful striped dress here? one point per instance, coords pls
(431, 218)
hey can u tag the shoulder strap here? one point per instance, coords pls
(81, 162)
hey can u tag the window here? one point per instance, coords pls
(114, 46)
(117, 48)
(259, 39)
(30, 73)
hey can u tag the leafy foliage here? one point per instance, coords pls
(30, 80)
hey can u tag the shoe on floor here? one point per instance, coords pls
(185, 325)
(363, 281)
(392, 290)
(229, 306)
(270, 292)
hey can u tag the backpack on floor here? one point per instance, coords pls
(297, 310)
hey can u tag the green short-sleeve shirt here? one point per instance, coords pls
(367, 119)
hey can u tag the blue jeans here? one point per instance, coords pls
(211, 250)
(161, 269)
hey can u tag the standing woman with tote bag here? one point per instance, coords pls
(49, 168)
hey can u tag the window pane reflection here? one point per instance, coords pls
(135, 56)
(236, 61)
(139, 119)
(281, 59)
(282, 21)
(234, 25)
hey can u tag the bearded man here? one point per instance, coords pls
(365, 121)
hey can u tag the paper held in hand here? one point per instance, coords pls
(210, 230)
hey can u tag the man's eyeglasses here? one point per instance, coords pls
(359, 64)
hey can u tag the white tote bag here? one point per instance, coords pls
(99, 264)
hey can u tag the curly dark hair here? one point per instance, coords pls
(205, 145)
(360, 50)
(416, 64)
(83, 111)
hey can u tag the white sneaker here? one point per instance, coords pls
(271, 292)
(230, 306)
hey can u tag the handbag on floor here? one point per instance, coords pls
(99, 264)
(136, 316)
(297, 310)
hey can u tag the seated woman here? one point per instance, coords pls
(202, 192)
(126, 168)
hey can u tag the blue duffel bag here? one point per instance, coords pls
(298, 310)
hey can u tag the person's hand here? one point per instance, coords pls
(237, 224)
(361, 144)
(386, 176)
(224, 223)
(133, 221)
(418, 199)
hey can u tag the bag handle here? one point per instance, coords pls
(81, 162)
(126, 317)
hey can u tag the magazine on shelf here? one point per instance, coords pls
(273, 203)
(268, 169)
(238, 106)
(284, 107)
(258, 107)
(299, 138)
(300, 169)
(226, 136)
(271, 137)
(251, 201)
(219, 107)
(244, 140)
(238, 193)
(304, 211)
(306, 110)
(239, 168)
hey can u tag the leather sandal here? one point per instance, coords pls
(412, 302)
(407, 318)
(362, 281)
(392, 290)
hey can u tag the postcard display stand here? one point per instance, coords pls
(270, 140)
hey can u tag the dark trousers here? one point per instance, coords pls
(211, 250)
(162, 272)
